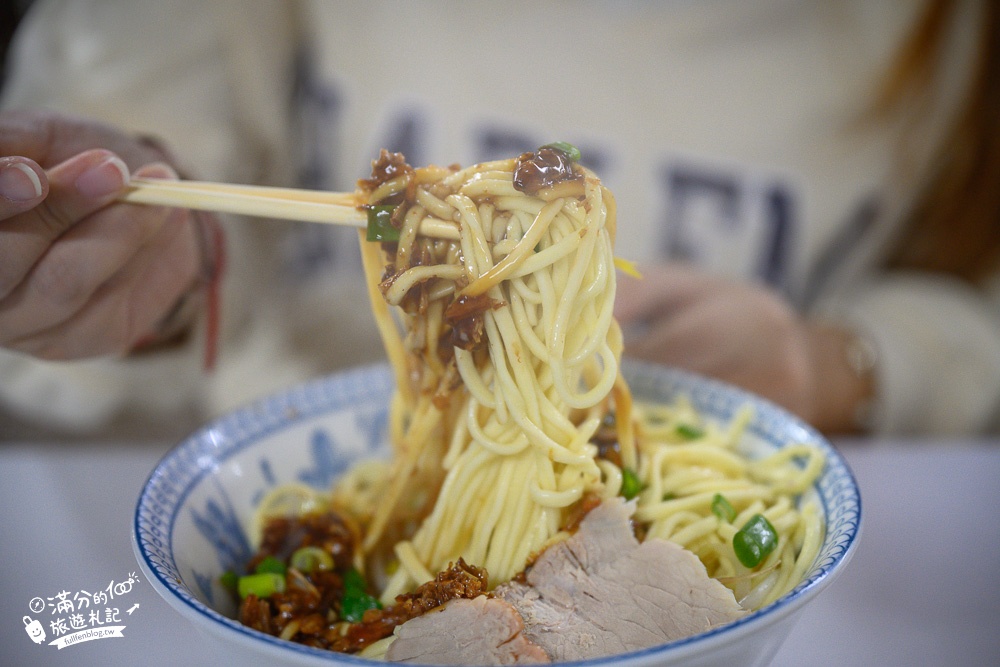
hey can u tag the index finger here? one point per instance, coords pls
(50, 138)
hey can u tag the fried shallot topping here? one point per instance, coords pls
(387, 167)
(461, 580)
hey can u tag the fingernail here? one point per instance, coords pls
(157, 170)
(19, 182)
(103, 179)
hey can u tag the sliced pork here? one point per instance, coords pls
(601, 593)
(596, 594)
(480, 631)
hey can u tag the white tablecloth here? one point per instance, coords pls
(921, 590)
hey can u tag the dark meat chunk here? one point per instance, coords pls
(459, 581)
(256, 613)
(543, 168)
(480, 631)
(577, 514)
(465, 315)
(469, 306)
(307, 599)
(327, 530)
(311, 595)
(601, 593)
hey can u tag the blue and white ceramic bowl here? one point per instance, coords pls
(193, 514)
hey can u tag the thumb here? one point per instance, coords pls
(23, 184)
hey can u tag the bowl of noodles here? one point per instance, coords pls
(506, 490)
(196, 514)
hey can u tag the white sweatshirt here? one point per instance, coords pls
(728, 132)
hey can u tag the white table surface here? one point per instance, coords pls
(922, 589)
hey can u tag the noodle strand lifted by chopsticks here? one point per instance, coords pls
(507, 409)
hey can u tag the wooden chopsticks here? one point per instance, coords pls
(335, 208)
(259, 201)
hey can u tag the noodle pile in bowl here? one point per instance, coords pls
(511, 419)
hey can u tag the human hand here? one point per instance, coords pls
(743, 334)
(80, 274)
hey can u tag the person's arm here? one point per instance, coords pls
(747, 335)
(845, 380)
(901, 353)
(938, 351)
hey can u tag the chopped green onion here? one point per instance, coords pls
(689, 432)
(356, 600)
(311, 558)
(571, 151)
(631, 486)
(380, 224)
(722, 508)
(263, 585)
(270, 565)
(755, 540)
(229, 580)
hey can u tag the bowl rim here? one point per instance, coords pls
(241, 427)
